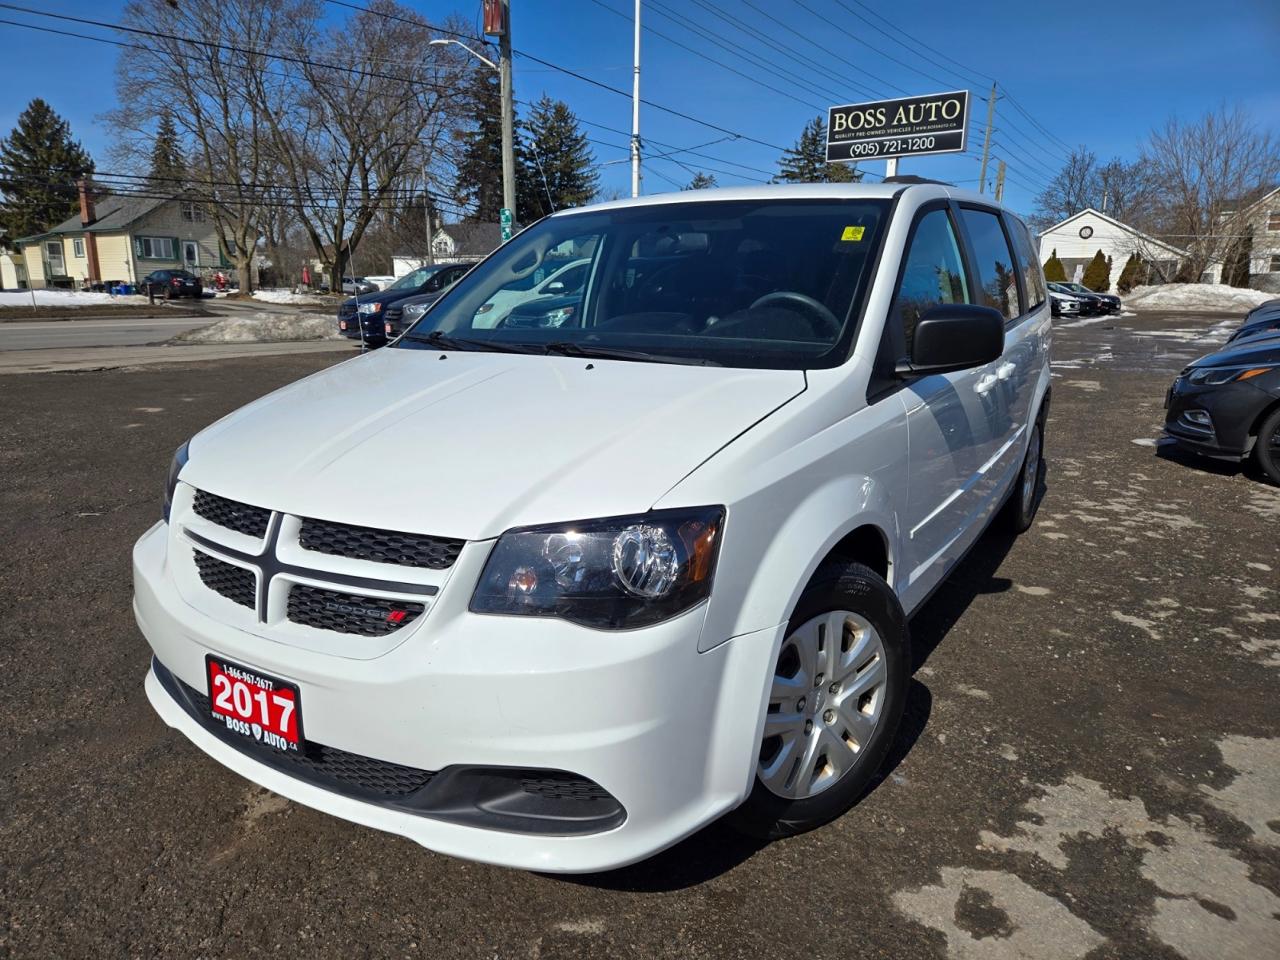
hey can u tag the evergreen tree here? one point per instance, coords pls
(806, 162)
(1097, 275)
(1129, 274)
(168, 165)
(479, 180)
(1054, 272)
(702, 181)
(39, 167)
(554, 165)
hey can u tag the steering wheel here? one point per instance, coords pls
(813, 307)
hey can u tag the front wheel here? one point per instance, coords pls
(837, 696)
(1266, 449)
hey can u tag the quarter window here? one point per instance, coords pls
(933, 272)
(997, 278)
(1032, 277)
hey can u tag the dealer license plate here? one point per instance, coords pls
(255, 705)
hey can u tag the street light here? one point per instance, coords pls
(503, 66)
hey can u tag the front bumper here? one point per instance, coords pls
(1213, 419)
(669, 732)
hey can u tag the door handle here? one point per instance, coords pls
(985, 383)
(1005, 370)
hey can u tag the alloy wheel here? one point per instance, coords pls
(826, 701)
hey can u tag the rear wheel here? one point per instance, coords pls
(1266, 449)
(1019, 511)
(837, 695)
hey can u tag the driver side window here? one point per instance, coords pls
(932, 273)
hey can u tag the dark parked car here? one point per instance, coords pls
(1091, 304)
(1227, 405)
(545, 313)
(1258, 321)
(401, 316)
(1267, 306)
(372, 311)
(172, 283)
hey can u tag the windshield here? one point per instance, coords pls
(758, 283)
(414, 279)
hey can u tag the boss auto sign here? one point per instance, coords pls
(934, 123)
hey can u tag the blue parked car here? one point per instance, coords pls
(372, 311)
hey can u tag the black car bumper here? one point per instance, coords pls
(1214, 419)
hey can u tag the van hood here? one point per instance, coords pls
(467, 445)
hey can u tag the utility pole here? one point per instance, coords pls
(986, 140)
(635, 111)
(508, 123)
(1000, 182)
(426, 212)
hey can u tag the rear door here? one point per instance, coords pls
(948, 421)
(998, 286)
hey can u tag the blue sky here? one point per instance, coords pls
(1100, 74)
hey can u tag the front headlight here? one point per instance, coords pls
(369, 308)
(1213, 375)
(415, 310)
(617, 573)
(180, 457)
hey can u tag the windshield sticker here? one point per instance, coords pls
(852, 234)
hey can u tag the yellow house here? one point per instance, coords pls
(120, 239)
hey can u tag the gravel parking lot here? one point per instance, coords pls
(1090, 763)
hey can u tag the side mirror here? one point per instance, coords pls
(955, 336)
(555, 286)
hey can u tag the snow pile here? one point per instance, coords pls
(62, 298)
(265, 328)
(1195, 296)
(287, 296)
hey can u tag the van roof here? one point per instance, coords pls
(789, 191)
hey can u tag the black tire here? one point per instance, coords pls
(1266, 456)
(859, 589)
(1019, 511)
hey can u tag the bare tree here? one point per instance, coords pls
(206, 87)
(359, 140)
(1208, 171)
(1116, 188)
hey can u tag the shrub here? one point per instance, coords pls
(1132, 275)
(1054, 272)
(1097, 275)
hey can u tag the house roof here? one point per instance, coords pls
(114, 212)
(1123, 226)
(474, 237)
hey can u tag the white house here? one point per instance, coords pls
(1078, 238)
(1260, 222)
(468, 242)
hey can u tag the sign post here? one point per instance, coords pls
(504, 218)
(905, 127)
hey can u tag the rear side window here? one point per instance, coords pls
(997, 277)
(932, 273)
(1032, 277)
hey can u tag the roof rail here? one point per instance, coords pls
(910, 178)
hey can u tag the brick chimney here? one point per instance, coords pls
(86, 203)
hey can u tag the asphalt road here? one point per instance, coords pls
(109, 332)
(1090, 764)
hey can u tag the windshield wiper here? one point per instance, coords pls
(438, 338)
(569, 348)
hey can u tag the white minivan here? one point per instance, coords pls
(556, 597)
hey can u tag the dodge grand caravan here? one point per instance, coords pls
(629, 570)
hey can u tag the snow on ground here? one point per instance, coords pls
(287, 296)
(1195, 296)
(265, 328)
(62, 298)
